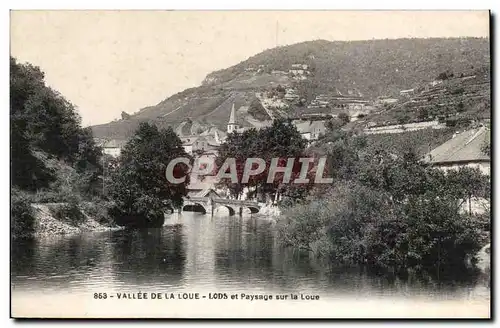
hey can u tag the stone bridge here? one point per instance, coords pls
(209, 205)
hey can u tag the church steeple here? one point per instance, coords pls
(232, 120)
(231, 125)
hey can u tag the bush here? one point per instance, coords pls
(145, 212)
(458, 91)
(138, 188)
(22, 217)
(99, 211)
(357, 224)
(426, 232)
(444, 75)
(69, 212)
(344, 117)
(458, 122)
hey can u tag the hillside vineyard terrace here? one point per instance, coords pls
(253, 166)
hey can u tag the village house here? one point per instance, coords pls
(356, 105)
(199, 144)
(111, 147)
(407, 93)
(206, 141)
(386, 100)
(349, 102)
(463, 149)
(300, 66)
(436, 82)
(310, 130)
(296, 71)
(299, 71)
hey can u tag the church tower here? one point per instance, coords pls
(232, 126)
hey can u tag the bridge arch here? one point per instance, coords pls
(230, 208)
(195, 207)
(253, 209)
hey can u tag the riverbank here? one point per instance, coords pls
(45, 223)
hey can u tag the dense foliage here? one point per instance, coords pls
(387, 210)
(42, 120)
(22, 219)
(139, 188)
(52, 157)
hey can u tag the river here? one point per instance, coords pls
(193, 253)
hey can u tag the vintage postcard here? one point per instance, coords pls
(250, 164)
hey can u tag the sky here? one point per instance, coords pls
(106, 62)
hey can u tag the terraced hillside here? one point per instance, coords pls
(285, 81)
(459, 96)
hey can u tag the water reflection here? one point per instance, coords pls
(56, 262)
(152, 257)
(199, 252)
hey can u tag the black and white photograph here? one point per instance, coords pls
(175, 164)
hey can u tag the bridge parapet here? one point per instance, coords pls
(234, 204)
(224, 201)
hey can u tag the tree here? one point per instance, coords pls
(239, 146)
(467, 183)
(41, 120)
(281, 140)
(486, 148)
(342, 149)
(423, 113)
(344, 117)
(27, 171)
(22, 217)
(139, 188)
(443, 76)
(394, 212)
(402, 117)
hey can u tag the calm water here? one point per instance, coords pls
(197, 253)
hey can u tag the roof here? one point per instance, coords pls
(113, 143)
(318, 125)
(200, 188)
(215, 134)
(463, 147)
(308, 126)
(303, 127)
